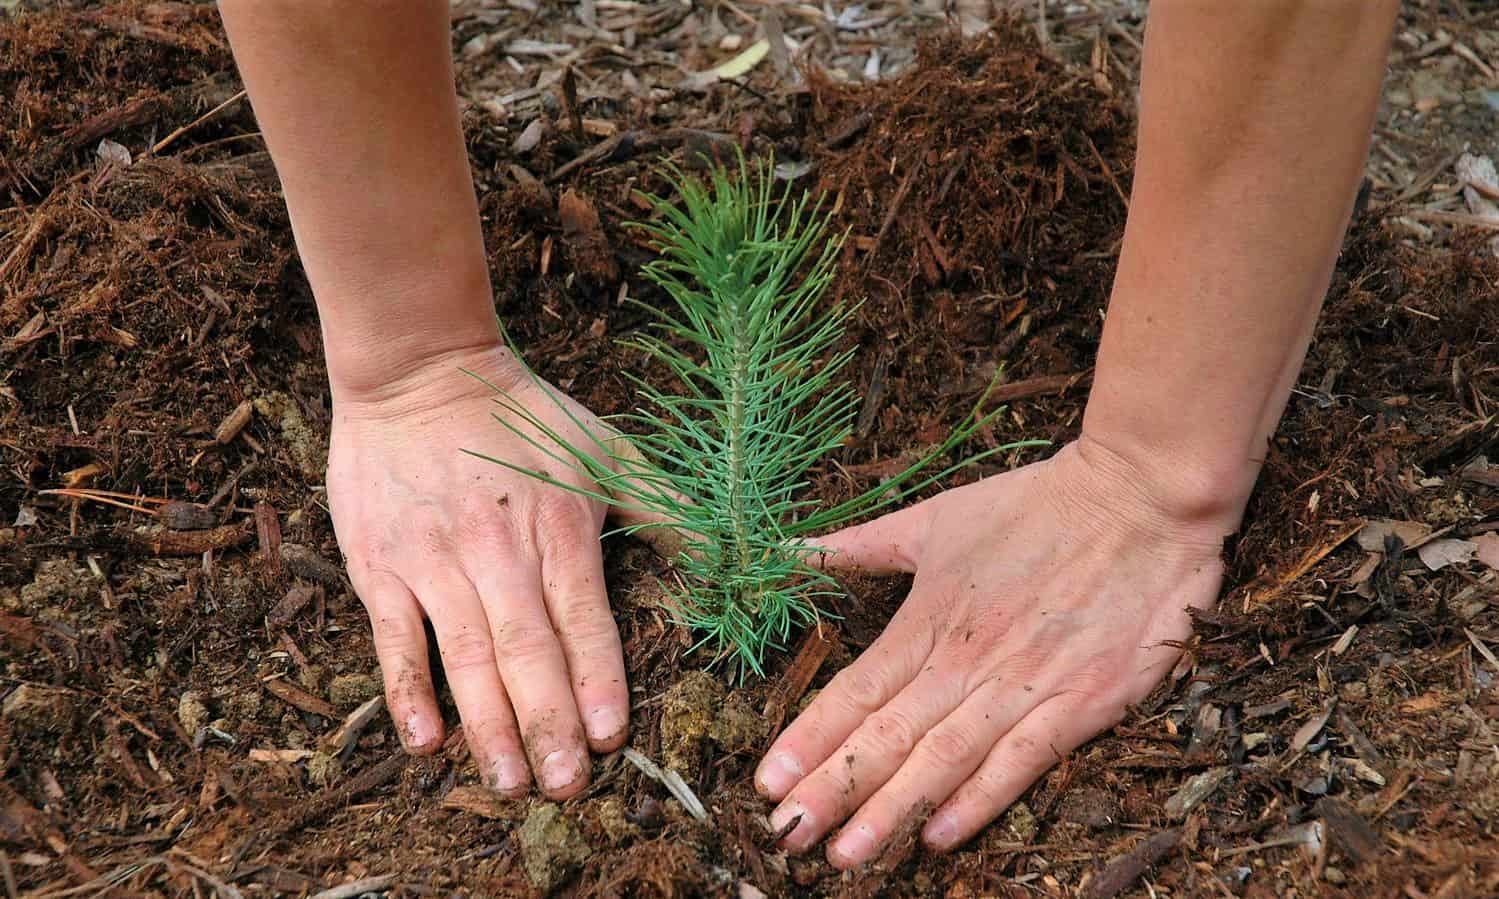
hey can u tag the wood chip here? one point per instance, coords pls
(1438, 554)
(347, 733)
(234, 422)
(280, 756)
(298, 698)
(1194, 791)
(295, 600)
(1310, 729)
(483, 803)
(1120, 874)
(809, 658)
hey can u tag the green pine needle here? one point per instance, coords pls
(726, 460)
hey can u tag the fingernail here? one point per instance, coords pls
(782, 817)
(508, 775)
(605, 722)
(560, 770)
(855, 844)
(778, 774)
(942, 830)
(418, 733)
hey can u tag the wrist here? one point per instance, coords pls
(410, 367)
(1198, 489)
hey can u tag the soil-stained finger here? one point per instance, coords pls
(401, 647)
(572, 575)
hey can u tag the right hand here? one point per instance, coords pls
(508, 570)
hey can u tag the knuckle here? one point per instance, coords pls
(586, 624)
(861, 688)
(950, 745)
(467, 650)
(517, 640)
(893, 731)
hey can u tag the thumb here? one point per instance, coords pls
(891, 543)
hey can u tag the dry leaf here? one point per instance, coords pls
(1438, 554)
(1371, 538)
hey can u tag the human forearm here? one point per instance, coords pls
(357, 105)
(1254, 126)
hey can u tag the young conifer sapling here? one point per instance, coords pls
(724, 457)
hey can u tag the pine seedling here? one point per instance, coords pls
(725, 457)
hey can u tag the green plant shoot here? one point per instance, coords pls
(725, 458)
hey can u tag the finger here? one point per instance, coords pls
(468, 659)
(401, 647)
(1039, 741)
(890, 543)
(854, 693)
(572, 573)
(944, 757)
(532, 665)
(866, 760)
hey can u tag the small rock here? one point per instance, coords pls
(687, 714)
(1334, 876)
(55, 580)
(738, 727)
(192, 711)
(32, 707)
(324, 769)
(349, 691)
(552, 846)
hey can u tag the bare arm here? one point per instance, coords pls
(1254, 125)
(357, 104)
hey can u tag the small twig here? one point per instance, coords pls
(357, 888)
(171, 138)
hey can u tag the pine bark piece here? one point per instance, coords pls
(298, 698)
(592, 257)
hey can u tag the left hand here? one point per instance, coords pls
(1046, 600)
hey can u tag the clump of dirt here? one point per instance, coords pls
(552, 845)
(688, 712)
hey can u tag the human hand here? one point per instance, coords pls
(1045, 601)
(507, 569)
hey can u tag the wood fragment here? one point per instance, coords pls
(268, 531)
(280, 756)
(303, 562)
(234, 422)
(295, 600)
(163, 542)
(357, 888)
(895, 204)
(1121, 874)
(809, 658)
(343, 737)
(483, 803)
(328, 800)
(178, 515)
(296, 697)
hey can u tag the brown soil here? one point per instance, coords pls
(140, 669)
